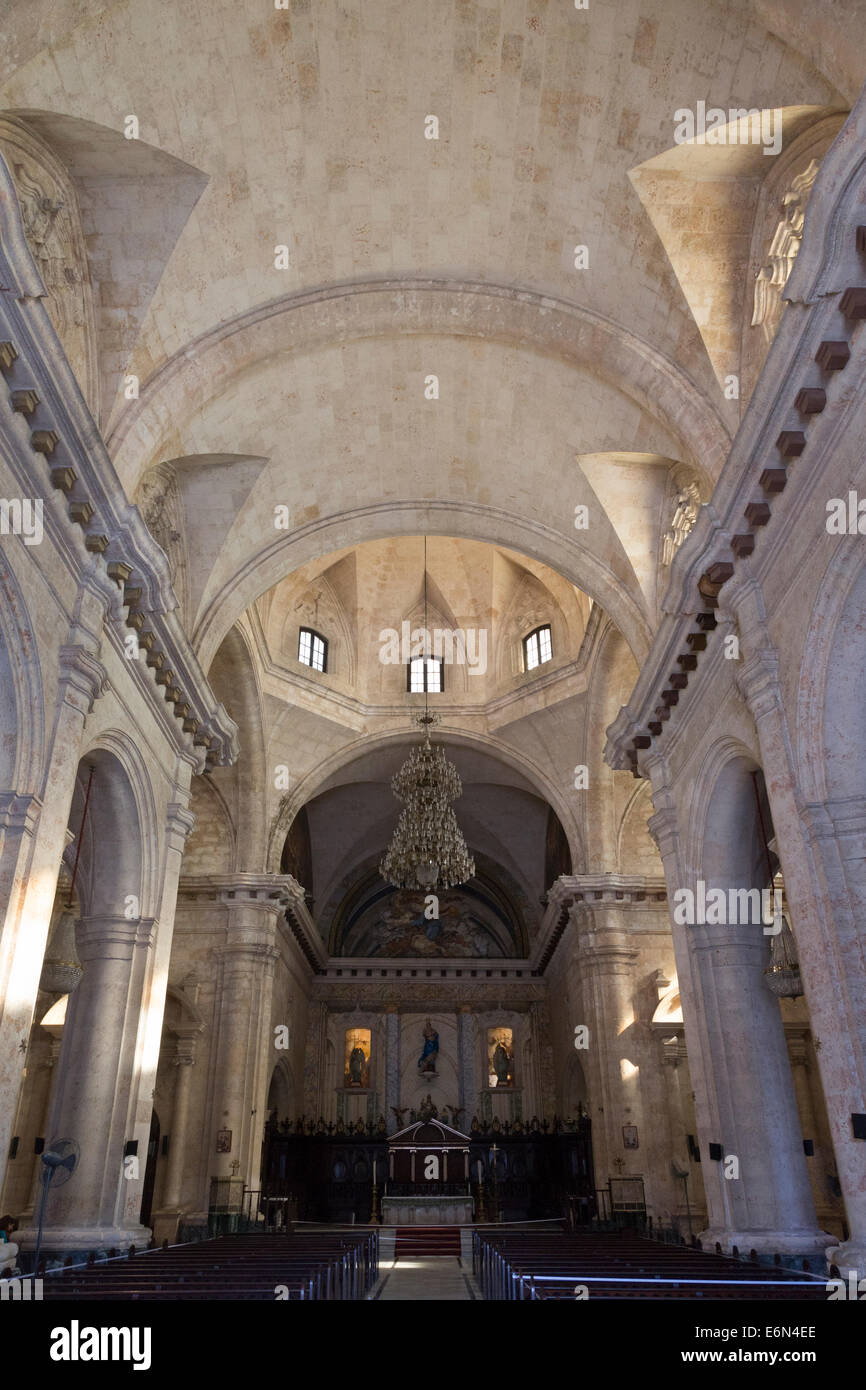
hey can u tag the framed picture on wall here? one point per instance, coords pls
(629, 1137)
(224, 1141)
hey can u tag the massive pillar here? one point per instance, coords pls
(165, 1221)
(244, 1043)
(822, 853)
(606, 962)
(92, 1093)
(763, 1199)
(32, 840)
(744, 1091)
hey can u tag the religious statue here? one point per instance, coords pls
(502, 1065)
(380, 1124)
(475, 1127)
(456, 1112)
(357, 1062)
(427, 1060)
(427, 1110)
(400, 1111)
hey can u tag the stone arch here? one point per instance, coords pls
(234, 675)
(469, 520)
(309, 786)
(212, 843)
(575, 1089)
(120, 839)
(415, 305)
(636, 851)
(726, 752)
(282, 1095)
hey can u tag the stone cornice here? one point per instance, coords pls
(102, 536)
(782, 422)
(423, 995)
(590, 890)
(241, 889)
(278, 893)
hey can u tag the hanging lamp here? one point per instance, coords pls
(427, 849)
(783, 972)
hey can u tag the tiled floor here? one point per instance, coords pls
(430, 1278)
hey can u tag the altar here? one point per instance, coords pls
(428, 1177)
(428, 1211)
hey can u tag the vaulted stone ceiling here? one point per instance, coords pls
(308, 125)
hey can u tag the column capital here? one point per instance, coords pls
(95, 936)
(19, 813)
(664, 828)
(672, 1043)
(83, 678)
(180, 822)
(757, 681)
(611, 957)
(241, 947)
(185, 1049)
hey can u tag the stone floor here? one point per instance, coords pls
(427, 1278)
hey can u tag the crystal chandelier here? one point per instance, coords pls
(427, 849)
(783, 972)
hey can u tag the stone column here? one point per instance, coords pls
(92, 1092)
(22, 1173)
(812, 1127)
(769, 1206)
(392, 1065)
(605, 962)
(467, 1091)
(818, 845)
(244, 1050)
(744, 1097)
(165, 1220)
(32, 840)
(179, 823)
(681, 1123)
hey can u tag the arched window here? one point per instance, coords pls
(425, 673)
(312, 649)
(537, 648)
